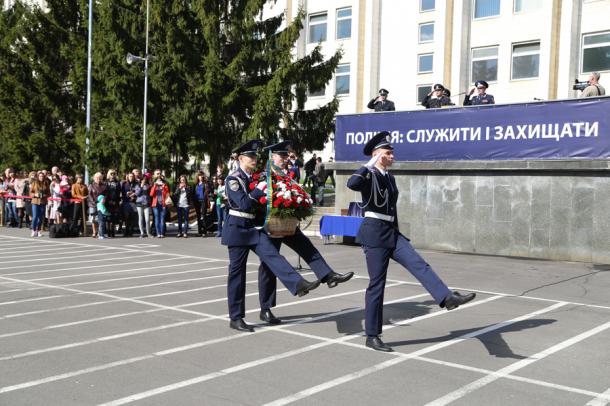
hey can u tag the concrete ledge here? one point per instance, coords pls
(567, 165)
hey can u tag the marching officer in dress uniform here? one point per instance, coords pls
(381, 239)
(481, 97)
(381, 102)
(241, 236)
(299, 243)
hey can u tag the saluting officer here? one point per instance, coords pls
(241, 236)
(381, 102)
(381, 239)
(298, 242)
(481, 98)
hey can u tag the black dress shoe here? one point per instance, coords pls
(240, 325)
(456, 299)
(375, 343)
(334, 278)
(268, 317)
(304, 287)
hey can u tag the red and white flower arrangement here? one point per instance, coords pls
(288, 199)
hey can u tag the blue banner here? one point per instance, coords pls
(567, 129)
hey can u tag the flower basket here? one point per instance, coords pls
(282, 227)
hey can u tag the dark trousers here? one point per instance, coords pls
(299, 243)
(236, 284)
(183, 220)
(201, 209)
(377, 260)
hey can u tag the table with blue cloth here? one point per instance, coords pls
(339, 225)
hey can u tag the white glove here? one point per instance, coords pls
(371, 163)
(262, 186)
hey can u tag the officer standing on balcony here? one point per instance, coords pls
(481, 98)
(241, 236)
(381, 102)
(381, 239)
(298, 242)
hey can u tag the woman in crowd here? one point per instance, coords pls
(39, 191)
(200, 199)
(65, 205)
(159, 193)
(113, 202)
(221, 199)
(11, 202)
(79, 191)
(128, 189)
(182, 200)
(20, 186)
(54, 216)
(98, 187)
(27, 203)
(142, 191)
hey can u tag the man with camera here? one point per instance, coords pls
(591, 88)
(381, 102)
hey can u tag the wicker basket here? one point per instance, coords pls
(282, 227)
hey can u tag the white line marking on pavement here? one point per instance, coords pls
(90, 267)
(74, 261)
(517, 378)
(404, 357)
(56, 254)
(600, 400)
(479, 383)
(121, 288)
(489, 292)
(241, 367)
(141, 246)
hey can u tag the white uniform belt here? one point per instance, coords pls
(241, 214)
(379, 216)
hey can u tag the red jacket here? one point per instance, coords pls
(164, 193)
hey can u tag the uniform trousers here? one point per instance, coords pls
(268, 253)
(377, 260)
(303, 246)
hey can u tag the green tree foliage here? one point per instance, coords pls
(219, 75)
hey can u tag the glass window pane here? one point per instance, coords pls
(342, 69)
(344, 12)
(315, 93)
(425, 63)
(427, 5)
(342, 83)
(344, 28)
(486, 8)
(597, 39)
(485, 70)
(422, 92)
(484, 52)
(526, 48)
(426, 32)
(527, 5)
(525, 66)
(596, 59)
(317, 28)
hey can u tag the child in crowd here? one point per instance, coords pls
(102, 214)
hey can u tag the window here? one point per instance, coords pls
(344, 23)
(342, 79)
(422, 92)
(486, 8)
(426, 32)
(596, 52)
(426, 5)
(524, 6)
(485, 64)
(425, 63)
(526, 60)
(316, 93)
(317, 28)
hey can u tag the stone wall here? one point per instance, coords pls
(541, 209)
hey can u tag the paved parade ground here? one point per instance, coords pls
(131, 321)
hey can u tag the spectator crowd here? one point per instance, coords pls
(133, 204)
